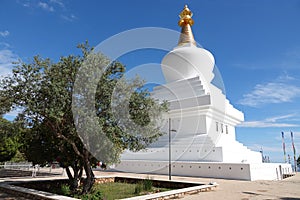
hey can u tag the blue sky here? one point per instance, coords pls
(256, 45)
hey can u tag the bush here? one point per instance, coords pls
(93, 196)
(138, 188)
(65, 190)
(147, 184)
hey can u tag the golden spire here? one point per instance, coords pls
(186, 21)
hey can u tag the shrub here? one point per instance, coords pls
(147, 184)
(93, 196)
(65, 190)
(138, 188)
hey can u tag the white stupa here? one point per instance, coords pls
(201, 122)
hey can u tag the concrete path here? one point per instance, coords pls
(5, 196)
(287, 189)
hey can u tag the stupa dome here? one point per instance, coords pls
(186, 62)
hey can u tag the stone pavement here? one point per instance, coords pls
(23, 175)
(287, 189)
(6, 196)
(6, 173)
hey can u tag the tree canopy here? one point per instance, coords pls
(9, 143)
(73, 111)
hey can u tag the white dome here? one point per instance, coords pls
(186, 62)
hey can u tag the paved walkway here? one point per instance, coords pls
(19, 175)
(6, 196)
(287, 189)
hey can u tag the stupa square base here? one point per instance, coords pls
(236, 171)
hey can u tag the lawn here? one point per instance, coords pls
(117, 190)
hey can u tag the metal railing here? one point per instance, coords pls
(17, 165)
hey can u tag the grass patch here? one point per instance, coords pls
(121, 188)
(117, 190)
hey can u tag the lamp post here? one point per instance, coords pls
(170, 130)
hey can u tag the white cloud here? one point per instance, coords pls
(276, 118)
(273, 148)
(4, 45)
(6, 59)
(69, 18)
(26, 4)
(257, 147)
(54, 6)
(58, 2)
(279, 91)
(275, 122)
(4, 33)
(45, 6)
(296, 136)
(285, 77)
(262, 124)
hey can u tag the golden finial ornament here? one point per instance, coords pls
(185, 22)
(186, 17)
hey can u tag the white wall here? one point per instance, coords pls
(270, 171)
(237, 171)
(212, 170)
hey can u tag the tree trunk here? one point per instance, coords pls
(73, 183)
(90, 177)
(75, 178)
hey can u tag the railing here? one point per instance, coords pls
(21, 166)
(17, 165)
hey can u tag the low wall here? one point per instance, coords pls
(236, 171)
(270, 171)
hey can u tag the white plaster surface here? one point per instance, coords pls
(204, 121)
(238, 171)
